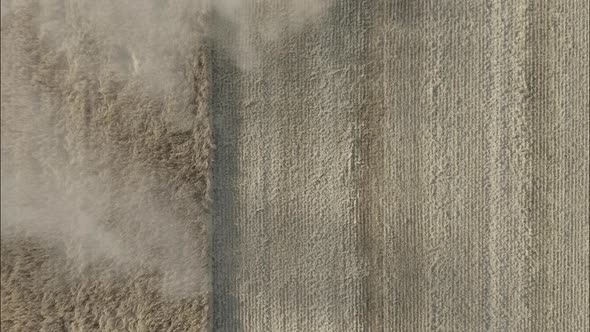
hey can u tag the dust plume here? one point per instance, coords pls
(105, 135)
(238, 28)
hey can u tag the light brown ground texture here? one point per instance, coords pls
(391, 165)
(104, 178)
(406, 166)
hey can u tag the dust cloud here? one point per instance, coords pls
(238, 28)
(105, 135)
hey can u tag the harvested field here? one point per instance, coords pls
(406, 166)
